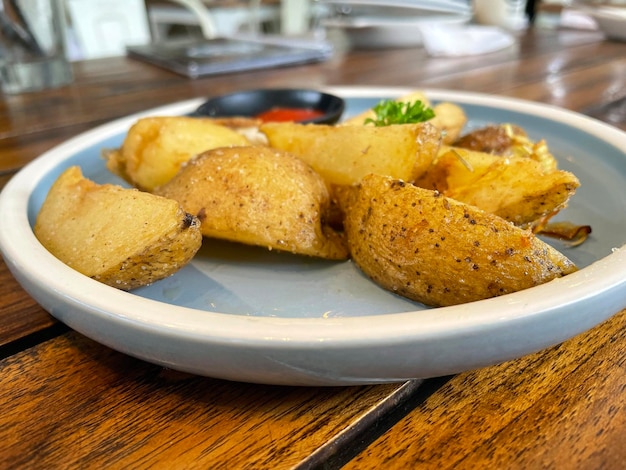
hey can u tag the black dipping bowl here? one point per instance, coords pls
(251, 103)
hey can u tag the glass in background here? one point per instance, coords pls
(508, 14)
(32, 46)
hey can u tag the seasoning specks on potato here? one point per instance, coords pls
(258, 196)
(518, 189)
(323, 191)
(427, 247)
(122, 237)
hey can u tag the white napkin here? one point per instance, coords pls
(456, 41)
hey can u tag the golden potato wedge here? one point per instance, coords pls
(345, 154)
(121, 237)
(156, 147)
(517, 189)
(258, 196)
(432, 249)
(450, 118)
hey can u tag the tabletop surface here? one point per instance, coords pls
(68, 402)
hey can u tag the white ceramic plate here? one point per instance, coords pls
(242, 313)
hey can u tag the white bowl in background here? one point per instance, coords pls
(377, 24)
(380, 32)
(611, 21)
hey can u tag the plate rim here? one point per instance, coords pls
(282, 332)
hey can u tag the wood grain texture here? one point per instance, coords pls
(20, 315)
(560, 408)
(72, 403)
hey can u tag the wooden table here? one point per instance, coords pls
(68, 402)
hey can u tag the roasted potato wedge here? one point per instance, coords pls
(517, 189)
(435, 250)
(121, 237)
(345, 154)
(258, 196)
(449, 118)
(156, 147)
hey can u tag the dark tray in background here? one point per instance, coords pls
(202, 57)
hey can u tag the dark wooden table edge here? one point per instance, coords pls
(337, 452)
(31, 340)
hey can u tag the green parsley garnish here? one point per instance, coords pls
(398, 112)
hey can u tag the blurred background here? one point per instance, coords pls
(102, 28)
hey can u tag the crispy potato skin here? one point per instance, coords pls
(258, 196)
(155, 147)
(432, 249)
(517, 189)
(120, 237)
(345, 154)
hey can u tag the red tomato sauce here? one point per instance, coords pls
(278, 114)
